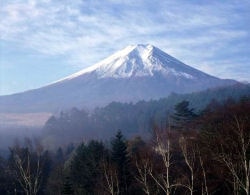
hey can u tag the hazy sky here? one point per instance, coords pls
(44, 40)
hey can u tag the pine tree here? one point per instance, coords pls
(85, 166)
(182, 115)
(121, 160)
(67, 187)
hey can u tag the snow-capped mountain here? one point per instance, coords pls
(138, 72)
(139, 61)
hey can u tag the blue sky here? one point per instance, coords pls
(44, 40)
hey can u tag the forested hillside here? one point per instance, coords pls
(204, 153)
(133, 118)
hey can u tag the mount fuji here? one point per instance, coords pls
(138, 72)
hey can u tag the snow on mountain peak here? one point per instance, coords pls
(138, 72)
(138, 60)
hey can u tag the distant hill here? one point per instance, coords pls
(132, 118)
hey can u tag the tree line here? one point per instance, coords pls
(133, 118)
(204, 153)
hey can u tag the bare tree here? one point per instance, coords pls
(189, 154)
(238, 163)
(111, 182)
(204, 187)
(163, 148)
(143, 173)
(28, 170)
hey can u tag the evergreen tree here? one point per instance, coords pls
(121, 160)
(182, 115)
(59, 155)
(85, 167)
(67, 187)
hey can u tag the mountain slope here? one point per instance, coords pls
(138, 72)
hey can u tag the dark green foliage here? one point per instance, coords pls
(218, 132)
(85, 166)
(70, 148)
(46, 164)
(67, 187)
(132, 118)
(182, 115)
(56, 178)
(4, 184)
(73, 119)
(119, 149)
(121, 160)
(59, 155)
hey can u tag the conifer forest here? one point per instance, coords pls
(205, 152)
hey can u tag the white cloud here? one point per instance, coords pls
(86, 31)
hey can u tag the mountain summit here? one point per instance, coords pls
(140, 61)
(138, 72)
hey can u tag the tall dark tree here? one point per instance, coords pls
(59, 155)
(85, 167)
(121, 159)
(67, 187)
(182, 115)
(5, 182)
